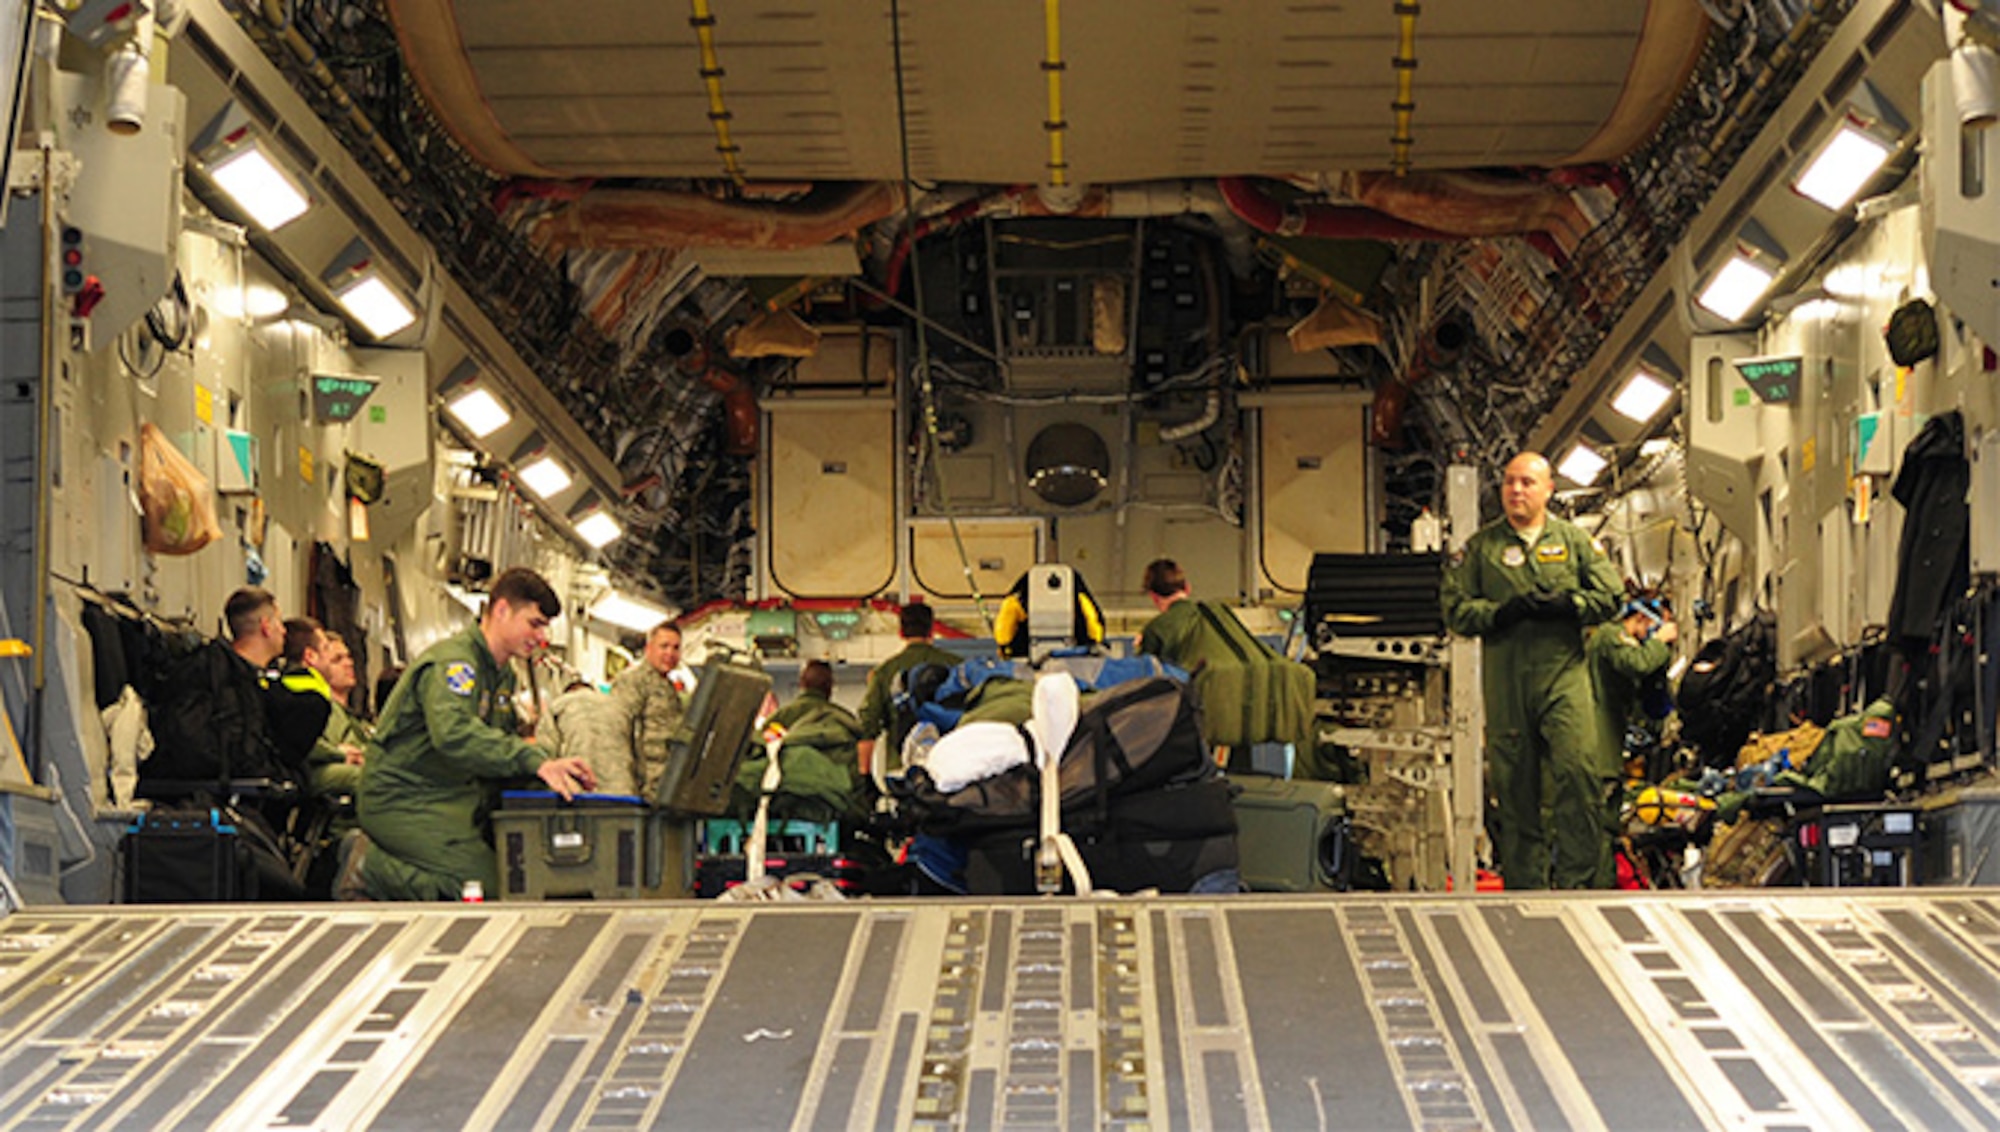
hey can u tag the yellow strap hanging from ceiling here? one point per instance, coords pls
(1052, 65)
(703, 22)
(1405, 105)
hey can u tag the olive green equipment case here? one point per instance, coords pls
(1292, 834)
(704, 754)
(594, 847)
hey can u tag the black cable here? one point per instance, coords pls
(175, 336)
(926, 391)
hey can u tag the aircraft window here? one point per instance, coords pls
(1715, 389)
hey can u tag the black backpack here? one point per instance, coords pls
(210, 718)
(1727, 689)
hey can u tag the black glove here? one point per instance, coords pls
(1512, 611)
(1550, 607)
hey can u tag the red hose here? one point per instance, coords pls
(739, 411)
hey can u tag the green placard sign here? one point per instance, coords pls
(1774, 380)
(337, 398)
(837, 624)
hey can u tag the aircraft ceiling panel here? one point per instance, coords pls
(1193, 88)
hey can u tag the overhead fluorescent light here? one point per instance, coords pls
(1643, 397)
(378, 309)
(1736, 288)
(259, 187)
(479, 411)
(544, 477)
(1847, 161)
(638, 616)
(1582, 466)
(598, 529)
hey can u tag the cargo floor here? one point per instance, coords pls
(1741, 1011)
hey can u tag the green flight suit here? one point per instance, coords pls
(1620, 664)
(327, 768)
(878, 710)
(1540, 714)
(1167, 635)
(445, 738)
(820, 781)
(587, 724)
(651, 707)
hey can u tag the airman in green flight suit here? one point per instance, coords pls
(1527, 585)
(445, 738)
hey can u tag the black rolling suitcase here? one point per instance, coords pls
(194, 854)
(183, 856)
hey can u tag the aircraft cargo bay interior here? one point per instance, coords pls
(1066, 564)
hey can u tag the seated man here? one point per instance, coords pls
(820, 755)
(218, 715)
(318, 662)
(445, 737)
(918, 625)
(586, 724)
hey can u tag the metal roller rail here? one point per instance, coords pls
(1725, 1010)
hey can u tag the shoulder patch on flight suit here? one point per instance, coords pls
(1877, 728)
(458, 676)
(1551, 552)
(1513, 556)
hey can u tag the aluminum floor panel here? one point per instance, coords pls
(1742, 1011)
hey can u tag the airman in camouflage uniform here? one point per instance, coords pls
(650, 705)
(584, 723)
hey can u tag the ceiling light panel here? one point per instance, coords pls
(544, 477)
(1642, 398)
(598, 529)
(259, 187)
(479, 411)
(1582, 466)
(1846, 163)
(378, 309)
(1736, 289)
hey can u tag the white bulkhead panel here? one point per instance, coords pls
(831, 527)
(1313, 466)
